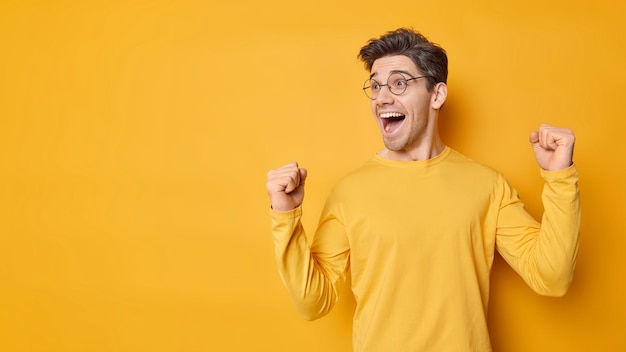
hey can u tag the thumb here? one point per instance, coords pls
(534, 137)
(303, 174)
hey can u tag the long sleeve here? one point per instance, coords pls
(544, 255)
(314, 275)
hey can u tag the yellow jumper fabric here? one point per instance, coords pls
(419, 238)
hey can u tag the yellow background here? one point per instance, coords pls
(135, 137)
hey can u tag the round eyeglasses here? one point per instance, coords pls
(396, 83)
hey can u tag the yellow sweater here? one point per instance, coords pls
(419, 239)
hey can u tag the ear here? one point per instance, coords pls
(439, 95)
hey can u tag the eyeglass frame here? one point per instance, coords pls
(369, 80)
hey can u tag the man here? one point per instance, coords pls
(418, 223)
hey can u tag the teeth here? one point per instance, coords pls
(387, 115)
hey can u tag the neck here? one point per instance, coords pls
(424, 151)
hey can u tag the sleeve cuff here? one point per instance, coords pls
(566, 173)
(286, 215)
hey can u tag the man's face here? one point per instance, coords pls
(403, 119)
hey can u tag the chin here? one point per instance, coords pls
(394, 147)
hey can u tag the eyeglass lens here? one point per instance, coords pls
(396, 83)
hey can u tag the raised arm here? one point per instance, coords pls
(314, 275)
(545, 254)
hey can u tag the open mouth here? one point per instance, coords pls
(391, 121)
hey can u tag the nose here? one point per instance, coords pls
(384, 96)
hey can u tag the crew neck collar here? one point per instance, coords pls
(417, 163)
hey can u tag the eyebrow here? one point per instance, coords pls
(394, 71)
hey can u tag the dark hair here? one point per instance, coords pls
(430, 58)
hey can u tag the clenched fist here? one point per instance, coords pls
(285, 186)
(553, 147)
